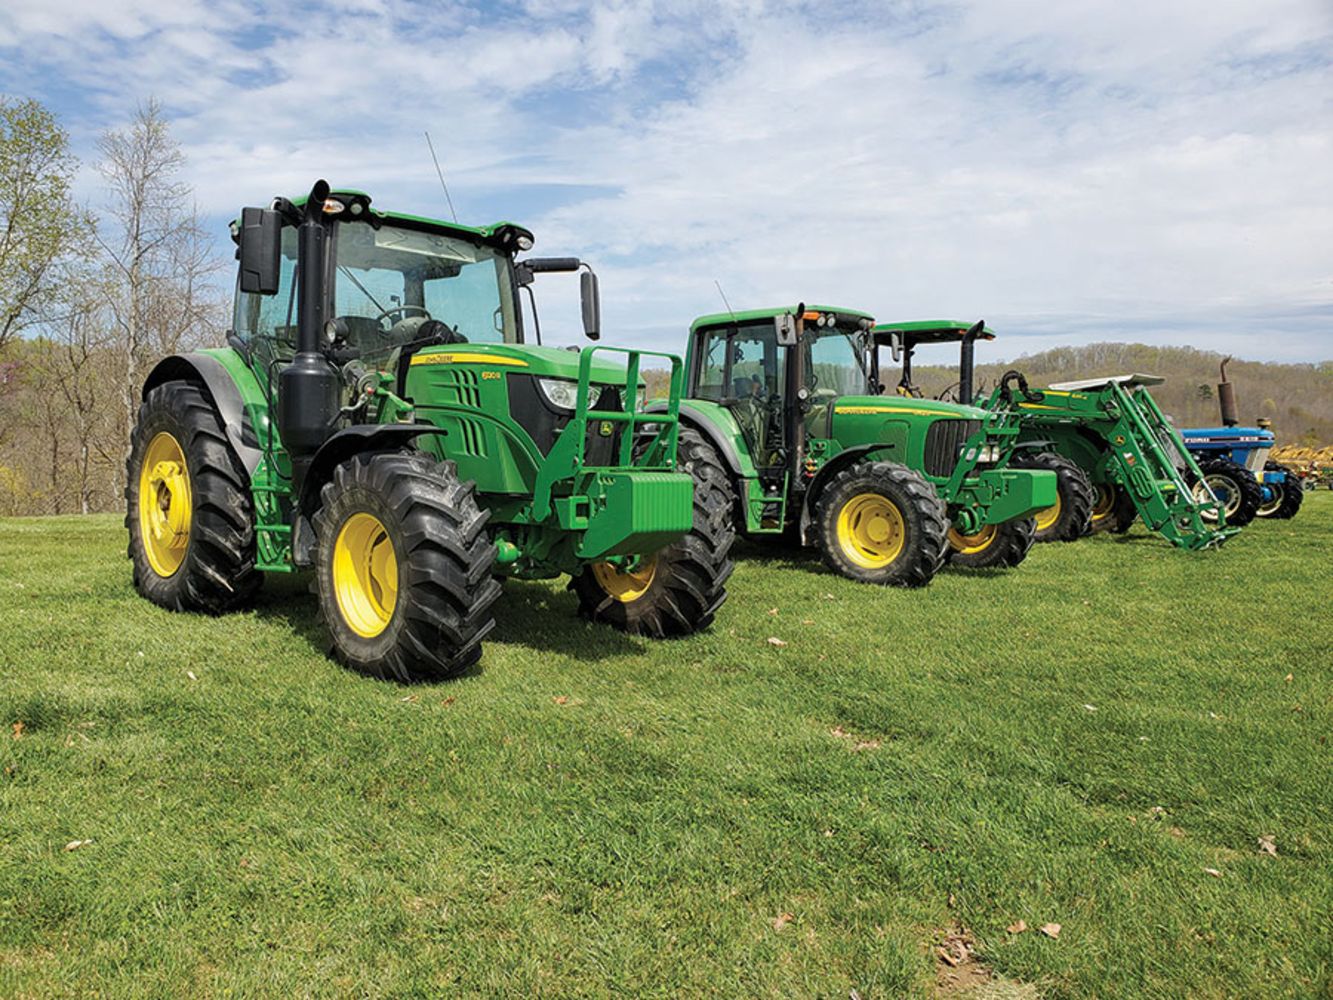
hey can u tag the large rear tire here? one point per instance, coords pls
(1291, 494)
(995, 546)
(677, 590)
(881, 522)
(404, 568)
(1070, 518)
(1112, 509)
(1235, 487)
(188, 506)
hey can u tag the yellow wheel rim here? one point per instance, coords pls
(627, 586)
(1105, 501)
(1047, 517)
(365, 575)
(164, 504)
(972, 544)
(871, 531)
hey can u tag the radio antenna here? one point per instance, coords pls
(440, 174)
(724, 299)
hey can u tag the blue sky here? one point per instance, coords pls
(1151, 171)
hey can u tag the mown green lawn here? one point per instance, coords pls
(1076, 742)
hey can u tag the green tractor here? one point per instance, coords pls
(378, 418)
(1115, 454)
(803, 443)
(1070, 517)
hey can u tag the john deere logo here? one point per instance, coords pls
(604, 428)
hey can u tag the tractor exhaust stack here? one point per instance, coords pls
(1226, 397)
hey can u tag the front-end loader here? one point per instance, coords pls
(886, 488)
(379, 418)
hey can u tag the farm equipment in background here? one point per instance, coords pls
(1312, 466)
(1070, 517)
(1236, 465)
(1135, 459)
(1115, 454)
(886, 488)
(378, 418)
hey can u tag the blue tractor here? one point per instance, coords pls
(1236, 468)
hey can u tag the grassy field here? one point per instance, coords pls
(1097, 740)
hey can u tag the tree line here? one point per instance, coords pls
(90, 299)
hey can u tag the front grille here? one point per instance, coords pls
(944, 439)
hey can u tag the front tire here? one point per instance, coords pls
(404, 567)
(1292, 494)
(677, 590)
(881, 522)
(1113, 509)
(188, 506)
(1070, 518)
(995, 546)
(1236, 490)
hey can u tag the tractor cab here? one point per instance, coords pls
(902, 341)
(776, 371)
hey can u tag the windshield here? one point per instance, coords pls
(388, 282)
(837, 364)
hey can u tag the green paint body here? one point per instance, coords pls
(974, 481)
(551, 510)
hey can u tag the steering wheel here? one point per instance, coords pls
(401, 312)
(949, 393)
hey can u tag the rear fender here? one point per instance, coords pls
(220, 385)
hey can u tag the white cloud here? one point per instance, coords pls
(1068, 171)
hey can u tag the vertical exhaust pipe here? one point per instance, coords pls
(1226, 397)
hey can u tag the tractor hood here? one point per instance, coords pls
(905, 406)
(547, 362)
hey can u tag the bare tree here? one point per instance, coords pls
(39, 221)
(163, 298)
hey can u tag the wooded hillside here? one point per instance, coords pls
(1297, 398)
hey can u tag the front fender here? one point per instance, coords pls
(349, 441)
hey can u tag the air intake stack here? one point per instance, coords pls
(1226, 397)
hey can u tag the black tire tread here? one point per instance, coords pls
(1293, 493)
(1251, 492)
(218, 574)
(1076, 495)
(446, 562)
(1013, 541)
(691, 575)
(926, 544)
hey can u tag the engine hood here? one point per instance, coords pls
(905, 406)
(547, 362)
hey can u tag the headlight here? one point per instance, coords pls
(563, 393)
(986, 453)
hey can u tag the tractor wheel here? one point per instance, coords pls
(995, 546)
(404, 567)
(1070, 517)
(881, 522)
(1112, 509)
(1290, 494)
(188, 507)
(677, 590)
(1236, 490)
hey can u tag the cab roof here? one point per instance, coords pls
(930, 331)
(750, 315)
(414, 221)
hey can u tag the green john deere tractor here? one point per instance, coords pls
(377, 417)
(802, 442)
(1067, 519)
(1115, 454)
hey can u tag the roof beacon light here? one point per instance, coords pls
(332, 206)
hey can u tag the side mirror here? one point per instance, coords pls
(785, 328)
(260, 251)
(896, 345)
(592, 305)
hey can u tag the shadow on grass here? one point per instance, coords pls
(530, 614)
(527, 614)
